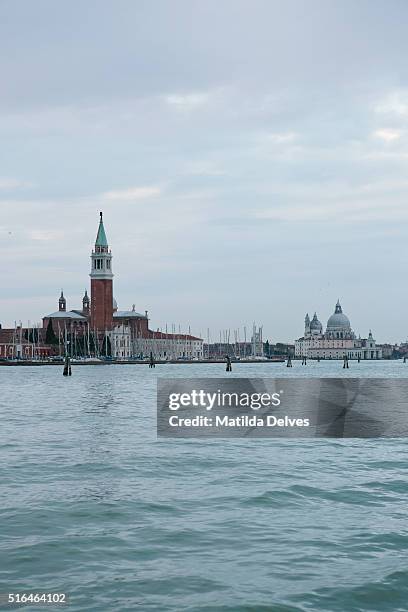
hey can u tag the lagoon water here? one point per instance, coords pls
(93, 505)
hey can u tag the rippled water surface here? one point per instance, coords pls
(92, 504)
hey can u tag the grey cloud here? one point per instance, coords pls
(238, 149)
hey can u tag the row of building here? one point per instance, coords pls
(100, 329)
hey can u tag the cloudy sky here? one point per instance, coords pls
(250, 157)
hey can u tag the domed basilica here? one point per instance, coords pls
(337, 341)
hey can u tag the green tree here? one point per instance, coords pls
(32, 335)
(108, 347)
(50, 337)
(267, 349)
(281, 349)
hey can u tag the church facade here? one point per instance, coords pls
(99, 328)
(337, 341)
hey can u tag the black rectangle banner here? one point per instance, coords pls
(282, 407)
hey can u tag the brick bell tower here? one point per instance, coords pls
(101, 283)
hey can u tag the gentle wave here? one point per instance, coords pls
(93, 505)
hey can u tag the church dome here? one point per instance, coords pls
(338, 320)
(315, 324)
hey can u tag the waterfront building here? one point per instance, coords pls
(128, 341)
(23, 343)
(337, 341)
(391, 351)
(121, 341)
(137, 322)
(168, 346)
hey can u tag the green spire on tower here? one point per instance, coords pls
(101, 236)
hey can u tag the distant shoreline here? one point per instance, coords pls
(134, 362)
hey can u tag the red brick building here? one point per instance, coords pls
(23, 343)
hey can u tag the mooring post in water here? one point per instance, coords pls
(304, 362)
(152, 363)
(229, 365)
(405, 359)
(345, 362)
(289, 362)
(318, 359)
(67, 367)
(359, 359)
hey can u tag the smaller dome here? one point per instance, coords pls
(315, 324)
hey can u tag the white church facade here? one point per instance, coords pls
(337, 341)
